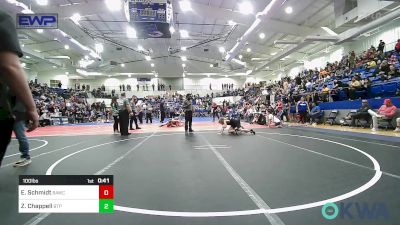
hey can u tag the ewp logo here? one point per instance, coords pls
(355, 210)
(37, 21)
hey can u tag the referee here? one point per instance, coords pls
(188, 108)
(124, 112)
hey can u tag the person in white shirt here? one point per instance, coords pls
(274, 122)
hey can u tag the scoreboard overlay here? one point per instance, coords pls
(66, 194)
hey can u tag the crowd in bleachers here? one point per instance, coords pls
(373, 73)
(368, 75)
(56, 103)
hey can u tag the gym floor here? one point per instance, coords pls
(279, 176)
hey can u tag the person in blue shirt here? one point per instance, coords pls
(302, 109)
(316, 113)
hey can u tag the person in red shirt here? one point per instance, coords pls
(387, 110)
(397, 48)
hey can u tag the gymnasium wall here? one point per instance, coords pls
(188, 83)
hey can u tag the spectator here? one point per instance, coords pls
(386, 111)
(354, 86)
(397, 125)
(325, 93)
(381, 46)
(394, 72)
(362, 113)
(371, 64)
(316, 114)
(397, 47)
(302, 109)
(115, 112)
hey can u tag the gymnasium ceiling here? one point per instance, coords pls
(208, 20)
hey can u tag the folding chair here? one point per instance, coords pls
(331, 119)
(346, 121)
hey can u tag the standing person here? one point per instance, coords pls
(115, 112)
(381, 46)
(139, 112)
(188, 108)
(303, 110)
(12, 81)
(134, 114)
(19, 130)
(124, 112)
(137, 87)
(397, 47)
(153, 86)
(162, 111)
(149, 113)
(215, 111)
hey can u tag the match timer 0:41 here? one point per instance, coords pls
(66, 194)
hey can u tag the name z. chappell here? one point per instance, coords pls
(37, 206)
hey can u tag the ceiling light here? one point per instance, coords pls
(171, 29)
(122, 65)
(184, 33)
(329, 31)
(246, 8)
(39, 31)
(130, 32)
(99, 47)
(66, 73)
(129, 75)
(183, 48)
(42, 2)
(155, 75)
(54, 67)
(211, 65)
(208, 75)
(147, 57)
(273, 53)
(185, 5)
(184, 58)
(289, 10)
(86, 57)
(66, 47)
(23, 64)
(221, 49)
(23, 45)
(28, 57)
(140, 48)
(240, 56)
(113, 5)
(183, 75)
(109, 75)
(183, 65)
(262, 35)
(76, 18)
(248, 50)
(231, 23)
(226, 75)
(152, 65)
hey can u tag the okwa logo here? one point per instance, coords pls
(355, 210)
